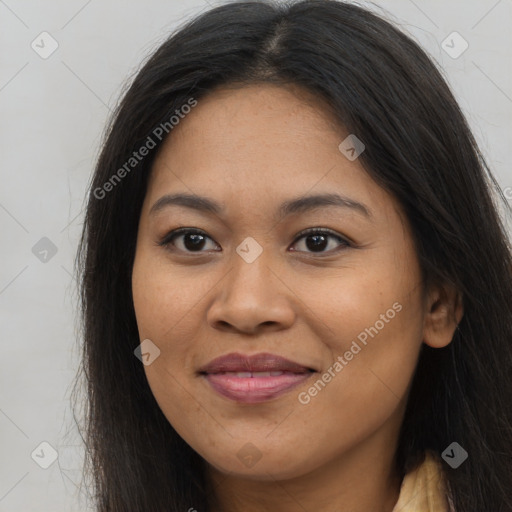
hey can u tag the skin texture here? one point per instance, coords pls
(251, 148)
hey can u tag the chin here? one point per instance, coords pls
(266, 468)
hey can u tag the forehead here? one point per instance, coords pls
(260, 141)
(255, 114)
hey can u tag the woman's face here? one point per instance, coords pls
(347, 307)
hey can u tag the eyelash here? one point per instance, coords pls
(170, 237)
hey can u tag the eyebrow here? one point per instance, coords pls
(292, 206)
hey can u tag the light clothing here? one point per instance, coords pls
(423, 490)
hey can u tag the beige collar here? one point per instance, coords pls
(423, 489)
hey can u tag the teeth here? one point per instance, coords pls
(246, 375)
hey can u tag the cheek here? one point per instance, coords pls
(161, 297)
(375, 358)
(161, 308)
(372, 324)
(166, 306)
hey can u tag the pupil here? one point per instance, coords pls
(322, 244)
(197, 238)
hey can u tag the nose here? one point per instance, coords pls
(252, 297)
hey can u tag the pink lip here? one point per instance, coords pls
(250, 388)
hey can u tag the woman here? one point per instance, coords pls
(295, 282)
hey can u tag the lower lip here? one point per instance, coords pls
(253, 390)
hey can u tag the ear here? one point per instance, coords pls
(444, 311)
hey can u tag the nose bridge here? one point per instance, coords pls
(251, 293)
(252, 277)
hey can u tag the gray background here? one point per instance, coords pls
(53, 113)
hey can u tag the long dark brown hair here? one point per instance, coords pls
(383, 87)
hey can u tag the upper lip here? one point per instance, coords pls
(262, 362)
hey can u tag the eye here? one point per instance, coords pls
(316, 240)
(193, 240)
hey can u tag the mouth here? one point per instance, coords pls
(254, 379)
